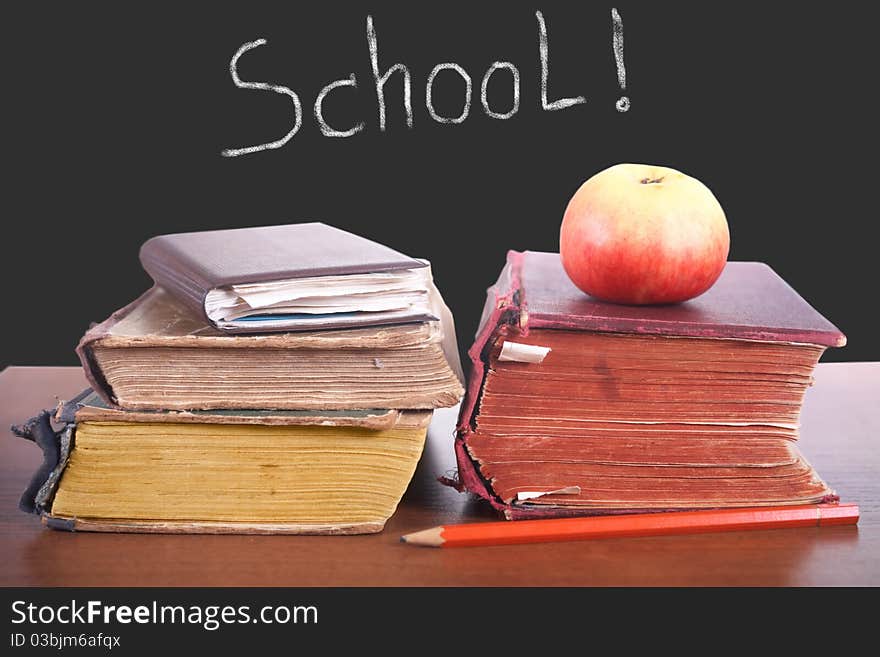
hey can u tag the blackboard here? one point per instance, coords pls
(118, 115)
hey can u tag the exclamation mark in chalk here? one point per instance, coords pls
(622, 103)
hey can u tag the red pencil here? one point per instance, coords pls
(645, 524)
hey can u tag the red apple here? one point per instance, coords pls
(641, 234)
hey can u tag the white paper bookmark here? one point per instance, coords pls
(530, 495)
(522, 353)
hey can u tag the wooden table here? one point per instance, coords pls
(841, 427)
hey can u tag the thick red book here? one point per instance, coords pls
(576, 406)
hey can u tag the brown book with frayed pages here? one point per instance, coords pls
(576, 406)
(157, 354)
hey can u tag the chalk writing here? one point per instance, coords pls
(262, 86)
(382, 76)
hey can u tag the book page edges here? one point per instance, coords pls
(192, 527)
(379, 420)
(156, 319)
(84, 409)
(56, 445)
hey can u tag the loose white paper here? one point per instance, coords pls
(530, 495)
(523, 353)
(387, 293)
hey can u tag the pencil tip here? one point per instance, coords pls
(426, 538)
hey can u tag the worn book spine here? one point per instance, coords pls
(502, 308)
(170, 271)
(55, 445)
(85, 353)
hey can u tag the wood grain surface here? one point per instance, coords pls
(840, 437)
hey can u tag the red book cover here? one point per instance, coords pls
(748, 302)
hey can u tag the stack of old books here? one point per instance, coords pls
(276, 379)
(579, 407)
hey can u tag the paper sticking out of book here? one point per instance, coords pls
(295, 277)
(522, 353)
(522, 496)
(381, 296)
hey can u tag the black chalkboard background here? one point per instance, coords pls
(119, 115)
